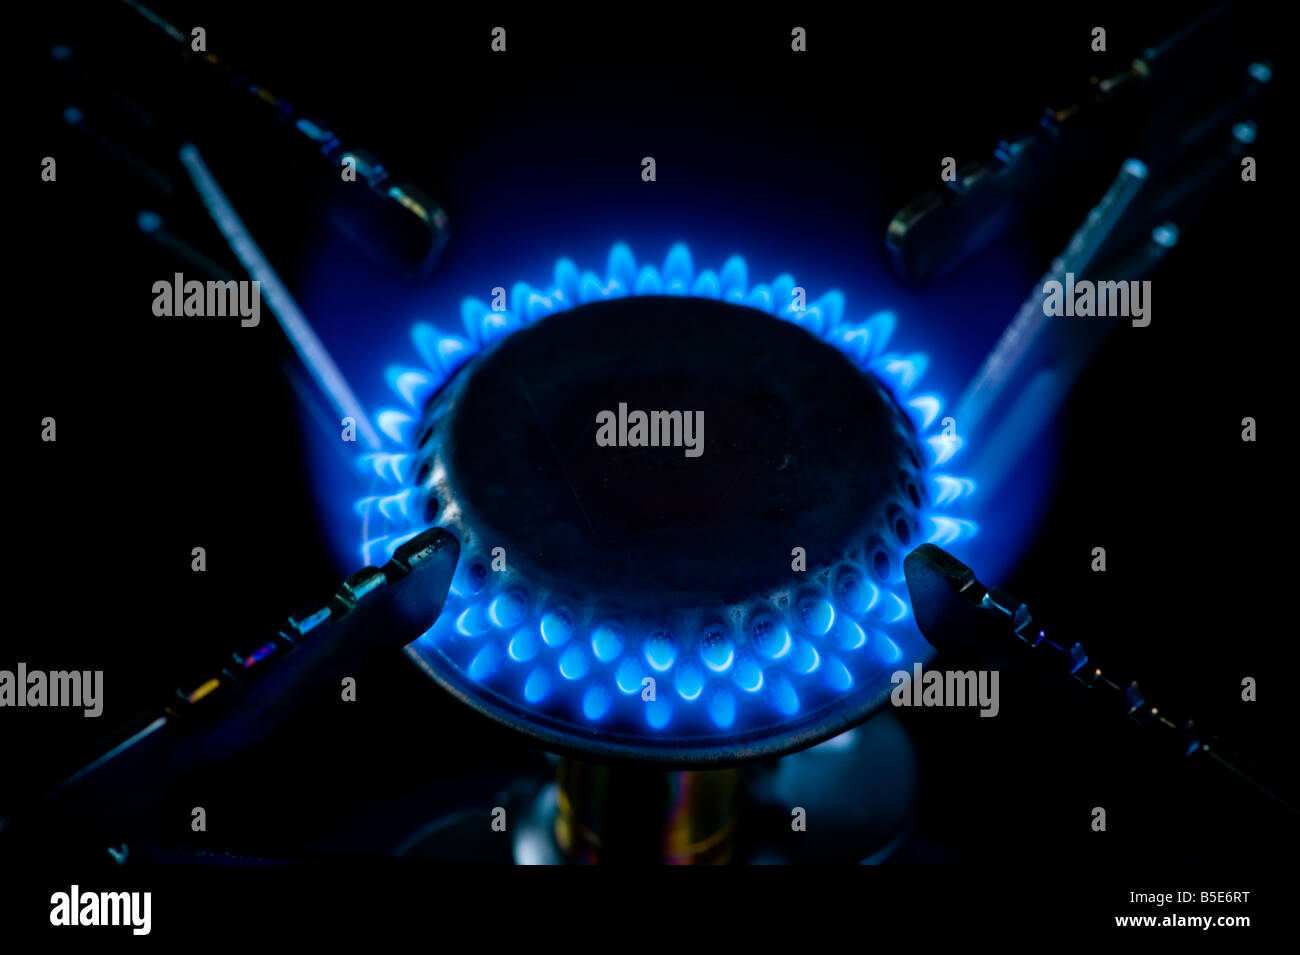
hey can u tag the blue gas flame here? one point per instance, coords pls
(722, 680)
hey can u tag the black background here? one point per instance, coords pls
(185, 433)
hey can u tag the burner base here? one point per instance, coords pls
(856, 792)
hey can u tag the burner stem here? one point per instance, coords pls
(631, 814)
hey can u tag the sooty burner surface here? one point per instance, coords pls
(799, 449)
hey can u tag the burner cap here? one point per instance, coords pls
(799, 449)
(682, 519)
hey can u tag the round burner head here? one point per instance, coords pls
(682, 523)
(754, 438)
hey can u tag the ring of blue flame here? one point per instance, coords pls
(591, 673)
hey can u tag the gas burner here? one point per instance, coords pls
(668, 604)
